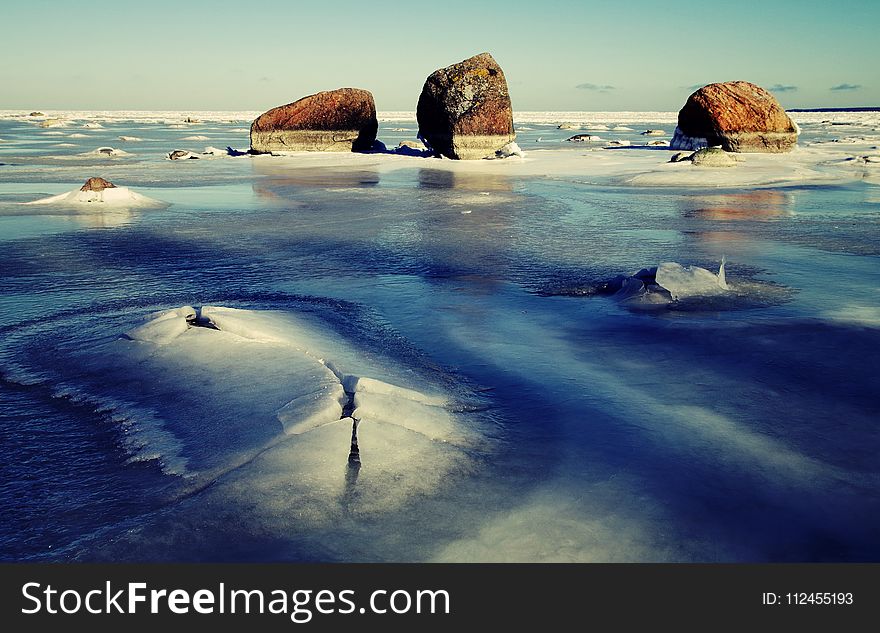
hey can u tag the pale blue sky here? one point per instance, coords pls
(557, 55)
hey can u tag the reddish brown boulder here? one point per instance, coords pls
(464, 110)
(737, 115)
(97, 184)
(342, 120)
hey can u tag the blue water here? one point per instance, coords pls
(740, 428)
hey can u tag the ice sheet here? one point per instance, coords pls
(245, 379)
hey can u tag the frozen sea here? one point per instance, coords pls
(507, 409)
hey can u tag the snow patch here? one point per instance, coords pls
(115, 197)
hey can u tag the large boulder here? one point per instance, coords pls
(342, 120)
(464, 110)
(737, 115)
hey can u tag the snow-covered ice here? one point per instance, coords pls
(116, 198)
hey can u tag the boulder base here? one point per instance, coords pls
(464, 110)
(342, 120)
(737, 115)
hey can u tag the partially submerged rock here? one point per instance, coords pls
(411, 144)
(342, 120)
(737, 115)
(181, 154)
(584, 138)
(464, 111)
(209, 152)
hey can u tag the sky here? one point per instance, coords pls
(556, 55)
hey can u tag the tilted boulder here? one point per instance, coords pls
(737, 115)
(342, 120)
(464, 110)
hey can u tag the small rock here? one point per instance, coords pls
(680, 157)
(411, 144)
(97, 184)
(583, 138)
(111, 151)
(181, 154)
(653, 133)
(712, 157)
(36, 114)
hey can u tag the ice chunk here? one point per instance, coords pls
(431, 421)
(629, 288)
(355, 384)
(228, 383)
(511, 149)
(683, 281)
(245, 323)
(109, 152)
(163, 327)
(314, 409)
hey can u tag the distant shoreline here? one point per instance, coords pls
(865, 109)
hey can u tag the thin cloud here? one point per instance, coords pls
(845, 87)
(596, 87)
(783, 88)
